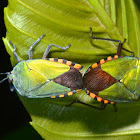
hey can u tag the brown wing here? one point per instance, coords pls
(97, 80)
(71, 79)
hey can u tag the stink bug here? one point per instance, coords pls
(114, 79)
(46, 77)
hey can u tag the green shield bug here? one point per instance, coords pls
(109, 83)
(46, 77)
(114, 79)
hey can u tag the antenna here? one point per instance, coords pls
(6, 73)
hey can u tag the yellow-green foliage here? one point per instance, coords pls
(68, 21)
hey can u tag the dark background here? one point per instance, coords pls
(14, 119)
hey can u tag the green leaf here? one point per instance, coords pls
(65, 22)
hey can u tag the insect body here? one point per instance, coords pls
(46, 77)
(115, 79)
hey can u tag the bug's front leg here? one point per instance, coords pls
(14, 52)
(120, 46)
(31, 48)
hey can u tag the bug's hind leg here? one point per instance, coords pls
(49, 48)
(31, 48)
(99, 108)
(14, 51)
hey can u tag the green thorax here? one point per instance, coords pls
(126, 71)
(33, 78)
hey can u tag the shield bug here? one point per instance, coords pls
(114, 79)
(46, 77)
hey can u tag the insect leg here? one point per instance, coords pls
(115, 108)
(99, 108)
(31, 48)
(49, 48)
(94, 37)
(119, 46)
(11, 86)
(129, 52)
(14, 51)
